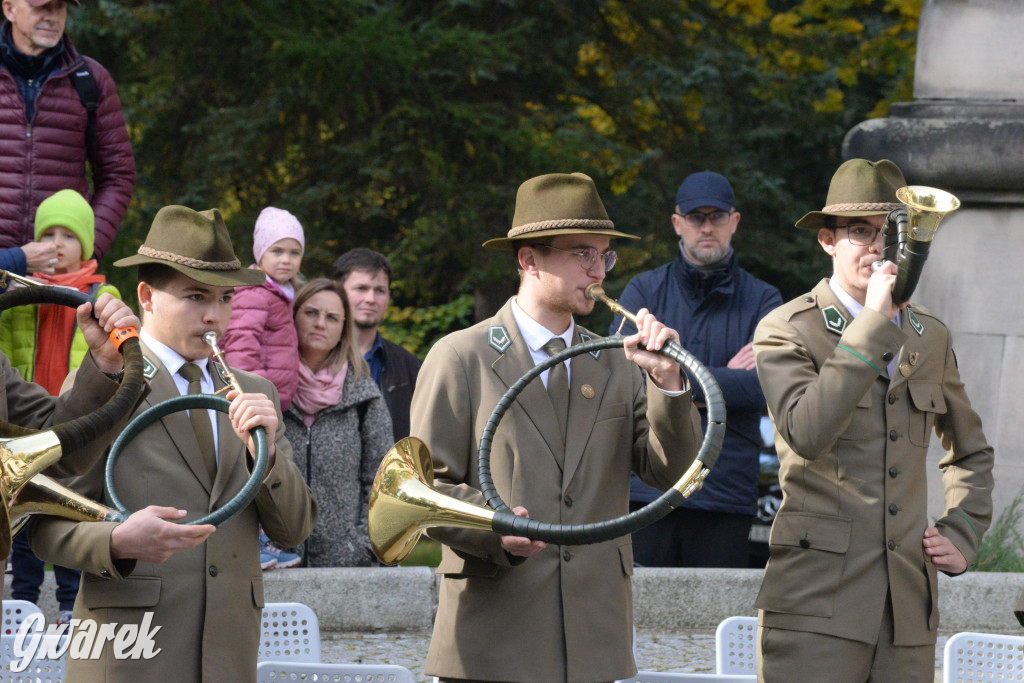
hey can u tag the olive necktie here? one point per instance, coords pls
(558, 384)
(200, 419)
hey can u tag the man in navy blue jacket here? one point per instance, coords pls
(715, 305)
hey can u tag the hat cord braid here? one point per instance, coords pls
(562, 223)
(234, 264)
(863, 206)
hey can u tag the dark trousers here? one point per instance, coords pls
(27, 570)
(693, 538)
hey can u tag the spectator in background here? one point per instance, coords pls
(64, 221)
(338, 425)
(366, 277)
(715, 305)
(46, 133)
(261, 336)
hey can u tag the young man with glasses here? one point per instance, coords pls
(855, 385)
(509, 608)
(715, 305)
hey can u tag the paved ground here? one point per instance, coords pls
(690, 652)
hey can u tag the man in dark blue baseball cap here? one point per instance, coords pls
(715, 305)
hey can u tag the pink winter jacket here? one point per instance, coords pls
(38, 158)
(261, 337)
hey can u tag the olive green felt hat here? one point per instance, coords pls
(557, 204)
(858, 188)
(196, 244)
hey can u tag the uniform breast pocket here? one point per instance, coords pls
(928, 401)
(808, 554)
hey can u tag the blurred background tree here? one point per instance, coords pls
(407, 126)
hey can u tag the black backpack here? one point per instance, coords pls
(85, 84)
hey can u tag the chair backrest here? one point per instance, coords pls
(15, 612)
(275, 672)
(671, 677)
(39, 669)
(976, 657)
(736, 646)
(290, 632)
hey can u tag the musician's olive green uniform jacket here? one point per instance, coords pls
(852, 446)
(208, 600)
(496, 621)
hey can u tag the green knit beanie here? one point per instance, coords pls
(68, 209)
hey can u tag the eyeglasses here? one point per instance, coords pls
(862, 234)
(588, 256)
(695, 219)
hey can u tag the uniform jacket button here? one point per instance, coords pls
(213, 570)
(893, 435)
(804, 543)
(892, 398)
(893, 472)
(568, 500)
(893, 509)
(566, 555)
(892, 545)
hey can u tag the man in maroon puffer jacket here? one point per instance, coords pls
(43, 121)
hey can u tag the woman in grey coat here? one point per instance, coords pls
(338, 426)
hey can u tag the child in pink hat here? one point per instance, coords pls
(261, 336)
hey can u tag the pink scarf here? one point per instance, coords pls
(318, 390)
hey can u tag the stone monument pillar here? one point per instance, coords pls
(964, 133)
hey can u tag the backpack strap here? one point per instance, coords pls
(85, 85)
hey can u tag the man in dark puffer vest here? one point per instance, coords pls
(43, 138)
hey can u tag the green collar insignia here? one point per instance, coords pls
(834, 320)
(221, 373)
(498, 338)
(148, 368)
(915, 323)
(584, 337)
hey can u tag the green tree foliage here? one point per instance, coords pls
(407, 126)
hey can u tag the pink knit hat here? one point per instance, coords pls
(274, 225)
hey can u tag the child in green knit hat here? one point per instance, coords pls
(44, 344)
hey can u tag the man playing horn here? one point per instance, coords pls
(204, 588)
(512, 609)
(855, 385)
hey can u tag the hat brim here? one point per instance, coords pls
(699, 202)
(242, 277)
(815, 220)
(506, 243)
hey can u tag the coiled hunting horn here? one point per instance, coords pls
(26, 452)
(403, 502)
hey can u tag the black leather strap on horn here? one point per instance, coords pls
(505, 522)
(75, 434)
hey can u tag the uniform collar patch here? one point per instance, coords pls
(915, 323)
(498, 338)
(834, 320)
(584, 337)
(221, 373)
(149, 369)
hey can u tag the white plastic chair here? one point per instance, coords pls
(667, 677)
(274, 672)
(15, 613)
(290, 632)
(976, 657)
(736, 646)
(40, 669)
